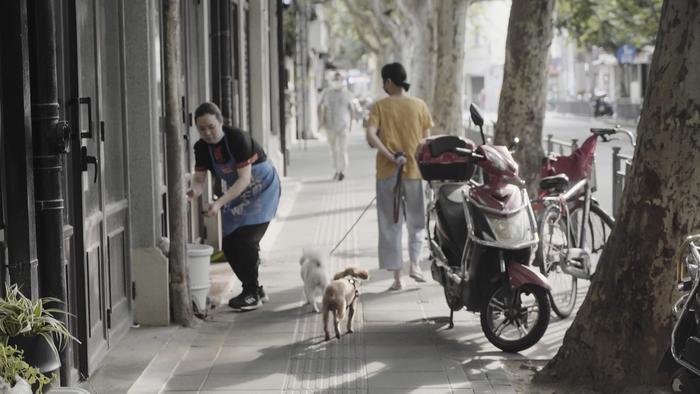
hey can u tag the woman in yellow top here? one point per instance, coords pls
(396, 126)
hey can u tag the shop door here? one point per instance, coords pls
(104, 206)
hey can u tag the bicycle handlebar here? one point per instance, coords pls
(605, 132)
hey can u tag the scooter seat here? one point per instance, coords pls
(559, 182)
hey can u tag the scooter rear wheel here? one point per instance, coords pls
(515, 319)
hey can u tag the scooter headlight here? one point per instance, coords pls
(511, 229)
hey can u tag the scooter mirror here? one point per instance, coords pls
(476, 115)
(514, 145)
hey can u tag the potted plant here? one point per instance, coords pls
(17, 376)
(32, 327)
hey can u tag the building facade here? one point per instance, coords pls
(98, 144)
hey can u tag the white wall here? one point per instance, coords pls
(263, 79)
(486, 32)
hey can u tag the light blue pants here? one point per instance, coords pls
(390, 233)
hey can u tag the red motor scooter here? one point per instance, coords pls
(482, 238)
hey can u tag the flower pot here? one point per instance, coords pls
(21, 387)
(37, 352)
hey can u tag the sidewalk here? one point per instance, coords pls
(400, 343)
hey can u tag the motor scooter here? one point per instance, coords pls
(602, 106)
(682, 359)
(482, 238)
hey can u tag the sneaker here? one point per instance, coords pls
(341, 176)
(262, 296)
(245, 302)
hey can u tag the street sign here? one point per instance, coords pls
(626, 54)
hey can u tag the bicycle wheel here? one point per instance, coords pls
(598, 229)
(550, 255)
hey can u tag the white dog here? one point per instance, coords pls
(314, 273)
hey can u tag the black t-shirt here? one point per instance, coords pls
(242, 146)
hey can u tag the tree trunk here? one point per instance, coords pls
(523, 95)
(624, 325)
(421, 70)
(449, 82)
(180, 304)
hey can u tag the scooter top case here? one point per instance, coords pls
(438, 161)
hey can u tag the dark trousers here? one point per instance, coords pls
(242, 250)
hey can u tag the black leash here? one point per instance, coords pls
(399, 191)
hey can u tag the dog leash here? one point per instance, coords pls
(354, 224)
(399, 191)
(397, 197)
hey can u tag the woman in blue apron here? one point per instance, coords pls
(249, 202)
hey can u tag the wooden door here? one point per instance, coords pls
(103, 214)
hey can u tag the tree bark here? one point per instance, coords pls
(624, 325)
(421, 69)
(523, 95)
(180, 304)
(449, 82)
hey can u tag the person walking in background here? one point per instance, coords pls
(249, 203)
(396, 126)
(335, 116)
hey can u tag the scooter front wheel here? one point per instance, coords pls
(515, 319)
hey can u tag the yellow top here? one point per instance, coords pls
(403, 123)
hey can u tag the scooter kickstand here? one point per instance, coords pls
(452, 322)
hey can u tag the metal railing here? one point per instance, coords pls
(562, 147)
(619, 172)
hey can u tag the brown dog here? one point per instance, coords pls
(342, 294)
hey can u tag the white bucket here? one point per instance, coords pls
(198, 261)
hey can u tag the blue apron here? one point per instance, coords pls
(258, 202)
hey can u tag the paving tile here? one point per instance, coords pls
(179, 392)
(482, 387)
(192, 367)
(407, 380)
(444, 390)
(397, 328)
(251, 382)
(393, 316)
(391, 352)
(201, 354)
(185, 382)
(504, 389)
(258, 339)
(150, 382)
(406, 365)
(390, 339)
(261, 365)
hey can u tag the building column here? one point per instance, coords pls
(260, 108)
(144, 106)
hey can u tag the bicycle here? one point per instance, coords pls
(572, 227)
